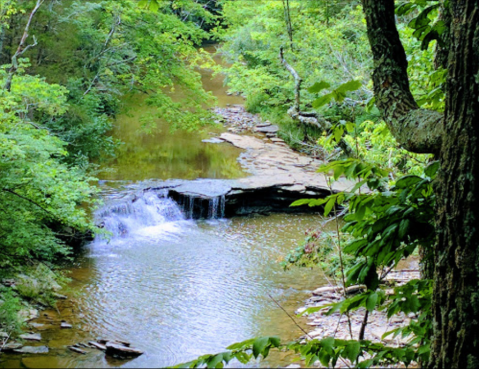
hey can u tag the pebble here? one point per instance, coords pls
(65, 325)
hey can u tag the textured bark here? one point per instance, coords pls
(454, 138)
(417, 130)
(442, 51)
(456, 297)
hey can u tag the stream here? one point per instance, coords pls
(174, 287)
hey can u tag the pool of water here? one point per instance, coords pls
(174, 287)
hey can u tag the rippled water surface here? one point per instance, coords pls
(174, 287)
(178, 288)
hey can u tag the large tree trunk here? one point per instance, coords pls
(456, 294)
(454, 138)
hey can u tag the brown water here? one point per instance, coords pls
(173, 287)
(162, 154)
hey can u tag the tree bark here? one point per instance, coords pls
(417, 130)
(454, 137)
(456, 291)
(442, 51)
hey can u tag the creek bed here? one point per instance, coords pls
(174, 287)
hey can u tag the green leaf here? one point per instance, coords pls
(432, 169)
(407, 181)
(371, 301)
(329, 206)
(323, 100)
(338, 133)
(259, 345)
(324, 358)
(318, 86)
(215, 360)
(351, 351)
(403, 228)
(301, 202)
(275, 341)
(349, 86)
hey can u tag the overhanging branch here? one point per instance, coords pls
(417, 130)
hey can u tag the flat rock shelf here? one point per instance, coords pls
(279, 176)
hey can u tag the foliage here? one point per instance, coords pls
(10, 305)
(82, 58)
(36, 187)
(329, 43)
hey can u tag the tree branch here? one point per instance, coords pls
(21, 49)
(417, 130)
(308, 118)
(116, 22)
(29, 200)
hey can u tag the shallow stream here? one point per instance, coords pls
(174, 287)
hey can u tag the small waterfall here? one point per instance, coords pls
(147, 209)
(216, 207)
(222, 206)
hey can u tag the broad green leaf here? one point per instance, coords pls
(318, 86)
(323, 100)
(407, 181)
(351, 351)
(371, 301)
(329, 206)
(432, 169)
(259, 345)
(349, 86)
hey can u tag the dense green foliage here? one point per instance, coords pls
(68, 75)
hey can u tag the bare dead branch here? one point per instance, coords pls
(21, 47)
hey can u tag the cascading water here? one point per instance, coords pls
(216, 208)
(128, 217)
(154, 211)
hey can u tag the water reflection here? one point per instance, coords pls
(161, 154)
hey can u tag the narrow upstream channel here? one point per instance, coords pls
(174, 287)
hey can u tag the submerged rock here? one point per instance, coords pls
(213, 140)
(119, 350)
(77, 350)
(32, 350)
(28, 314)
(31, 337)
(12, 346)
